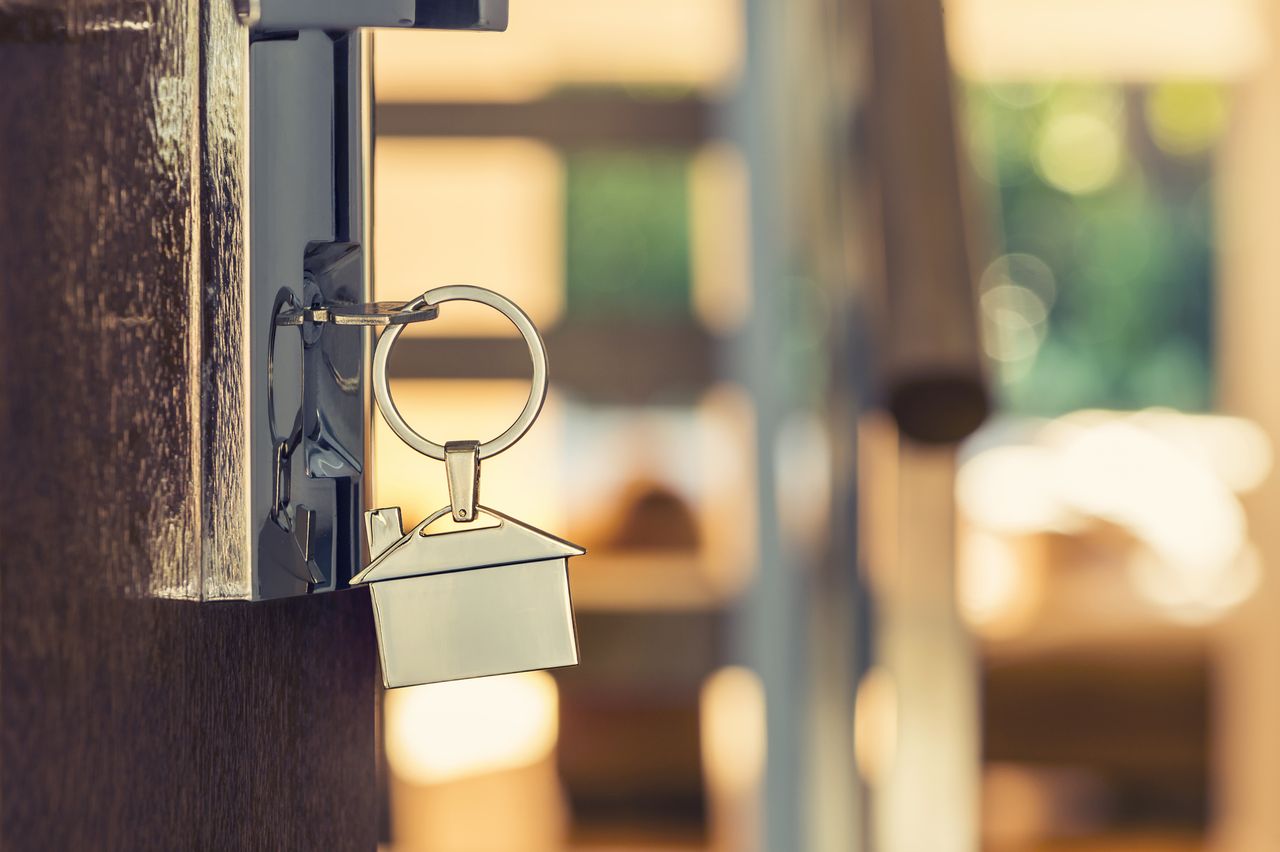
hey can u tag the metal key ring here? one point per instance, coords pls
(284, 299)
(537, 351)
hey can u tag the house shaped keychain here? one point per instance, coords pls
(488, 595)
(468, 602)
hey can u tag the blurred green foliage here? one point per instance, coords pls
(627, 236)
(1121, 216)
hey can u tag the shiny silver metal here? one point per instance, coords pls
(537, 351)
(285, 15)
(297, 87)
(481, 599)
(306, 240)
(488, 598)
(367, 314)
(484, 600)
(462, 465)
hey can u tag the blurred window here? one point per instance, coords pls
(1101, 293)
(627, 224)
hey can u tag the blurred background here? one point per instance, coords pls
(787, 257)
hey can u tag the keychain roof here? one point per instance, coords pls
(417, 553)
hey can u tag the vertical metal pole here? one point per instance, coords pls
(796, 627)
(931, 372)
(769, 629)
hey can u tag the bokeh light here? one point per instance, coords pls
(1079, 152)
(1186, 119)
(447, 731)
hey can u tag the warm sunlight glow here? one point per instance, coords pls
(446, 731)
(1106, 39)
(999, 589)
(554, 43)
(1169, 480)
(732, 712)
(875, 724)
(1123, 473)
(470, 211)
(1011, 489)
(522, 482)
(1195, 597)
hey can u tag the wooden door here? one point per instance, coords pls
(128, 721)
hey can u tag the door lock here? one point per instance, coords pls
(310, 138)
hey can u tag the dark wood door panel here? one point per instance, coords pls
(126, 721)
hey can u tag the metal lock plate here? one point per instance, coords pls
(307, 384)
(278, 15)
(310, 139)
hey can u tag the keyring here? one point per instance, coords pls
(537, 351)
(284, 299)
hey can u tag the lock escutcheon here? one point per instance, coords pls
(309, 143)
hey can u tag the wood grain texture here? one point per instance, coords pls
(226, 539)
(128, 722)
